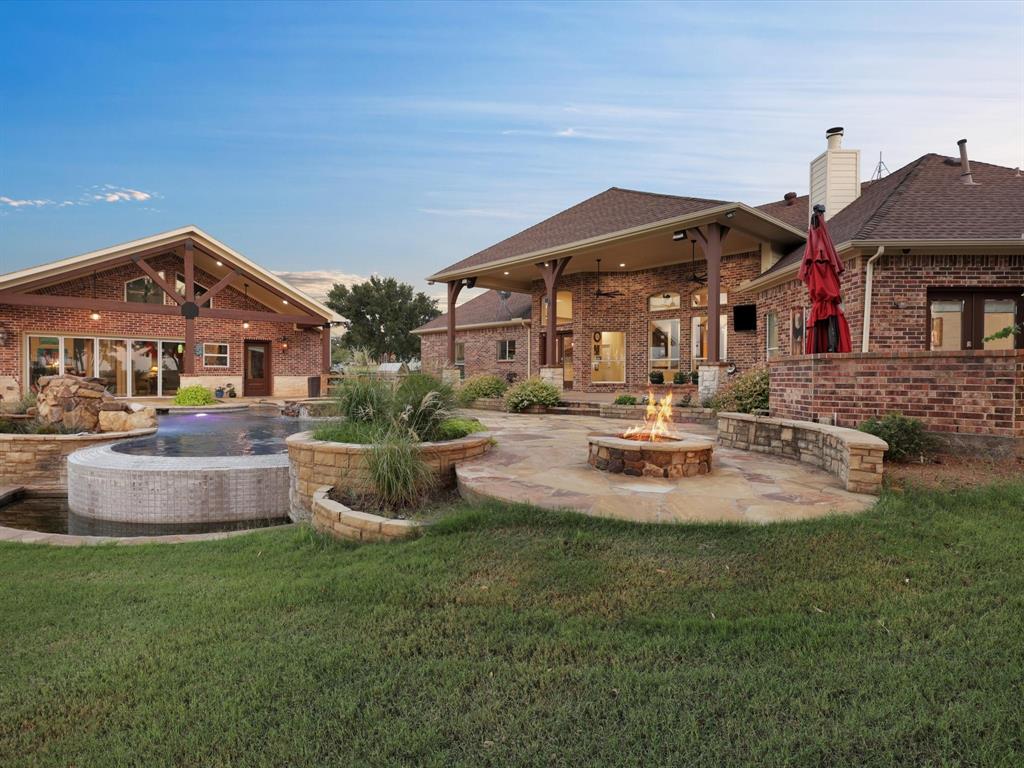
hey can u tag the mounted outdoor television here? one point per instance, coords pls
(744, 317)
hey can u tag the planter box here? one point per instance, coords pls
(337, 520)
(315, 463)
(489, 404)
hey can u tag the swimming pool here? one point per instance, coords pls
(240, 433)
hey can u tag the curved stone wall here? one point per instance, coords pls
(335, 519)
(315, 463)
(39, 462)
(156, 490)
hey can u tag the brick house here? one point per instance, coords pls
(934, 261)
(150, 316)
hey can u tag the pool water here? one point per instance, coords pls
(241, 433)
(49, 513)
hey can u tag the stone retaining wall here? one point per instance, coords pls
(852, 456)
(335, 519)
(314, 463)
(39, 462)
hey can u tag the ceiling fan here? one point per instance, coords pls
(604, 294)
(695, 278)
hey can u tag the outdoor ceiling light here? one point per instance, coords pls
(284, 301)
(94, 316)
(220, 263)
(622, 265)
(506, 273)
(730, 214)
(245, 324)
(679, 235)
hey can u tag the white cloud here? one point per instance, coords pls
(14, 203)
(489, 213)
(112, 194)
(316, 283)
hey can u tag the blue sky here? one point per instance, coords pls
(343, 140)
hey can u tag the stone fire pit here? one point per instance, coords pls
(667, 456)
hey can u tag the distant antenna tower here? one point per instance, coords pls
(880, 170)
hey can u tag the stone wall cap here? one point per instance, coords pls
(306, 440)
(84, 437)
(852, 437)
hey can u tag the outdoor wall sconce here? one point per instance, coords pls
(3, 336)
(284, 343)
(94, 316)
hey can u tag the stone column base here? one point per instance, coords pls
(451, 375)
(553, 375)
(711, 379)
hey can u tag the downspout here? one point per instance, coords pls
(868, 285)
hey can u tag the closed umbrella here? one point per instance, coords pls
(827, 330)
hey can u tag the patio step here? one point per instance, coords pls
(576, 409)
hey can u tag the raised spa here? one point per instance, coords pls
(667, 456)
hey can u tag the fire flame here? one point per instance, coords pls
(657, 419)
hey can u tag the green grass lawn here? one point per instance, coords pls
(517, 637)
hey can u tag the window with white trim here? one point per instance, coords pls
(507, 350)
(771, 332)
(664, 345)
(215, 355)
(699, 338)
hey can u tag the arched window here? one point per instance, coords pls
(659, 302)
(699, 298)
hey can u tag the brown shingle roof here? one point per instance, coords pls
(925, 200)
(613, 210)
(794, 214)
(486, 308)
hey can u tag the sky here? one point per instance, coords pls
(333, 141)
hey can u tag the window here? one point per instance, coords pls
(664, 345)
(113, 366)
(660, 302)
(215, 355)
(179, 286)
(771, 323)
(43, 358)
(563, 308)
(172, 363)
(127, 367)
(699, 337)
(962, 318)
(796, 331)
(78, 356)
(699, 298)
(142, 290)
(507, 350)
(608, 357)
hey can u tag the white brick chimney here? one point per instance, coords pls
(835, 176)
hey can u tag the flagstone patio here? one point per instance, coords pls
(542, 460)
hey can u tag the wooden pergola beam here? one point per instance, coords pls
(552, 273)
(156, 278)
(82, 302)
(454, 289)
(220, 285)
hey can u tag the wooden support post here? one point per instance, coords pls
(189, 358)
(552, 272)
(326, 348)
(190, 272)
(454, 289)
(711, 243)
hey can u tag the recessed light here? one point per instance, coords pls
(506, 273)
(220, 263)
(622, 265)
(284, 301)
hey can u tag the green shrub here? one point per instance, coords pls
(625, 400)
(681, 377)
(905, 435)
(195, 394)
(421, 404)
(657, 377)
(361, 432)
(484, 385)
(453, 429)
(746, 393)
(400, 476)
(22, 404)
(531, 392)
(33, 427)
(364, 400)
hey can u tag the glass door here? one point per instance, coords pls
(145, 369)
(257, 369)
(172, 355)
(113, 366)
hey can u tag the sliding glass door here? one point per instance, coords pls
(127, 367)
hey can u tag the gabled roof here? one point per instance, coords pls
(56, 270)
(925, 200)
(486, 309)
(613, 210)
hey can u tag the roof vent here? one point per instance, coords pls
(965, 165)
(790, 198)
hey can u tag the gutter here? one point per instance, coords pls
(868, 286)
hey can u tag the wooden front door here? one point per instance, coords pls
(257, 369)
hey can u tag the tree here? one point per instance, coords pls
(380, 315)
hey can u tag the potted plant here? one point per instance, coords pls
(681, 378)
(230, 389)
(218, 392)
(657, 377)
(694, 377)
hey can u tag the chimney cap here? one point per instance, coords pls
(832, 131)
(961, 142)
(789, 197)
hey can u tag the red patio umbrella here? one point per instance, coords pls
(827, 330)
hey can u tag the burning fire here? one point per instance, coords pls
(656, 420)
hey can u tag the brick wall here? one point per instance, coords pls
(481, 351)
(970, 393)
(302, 358)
